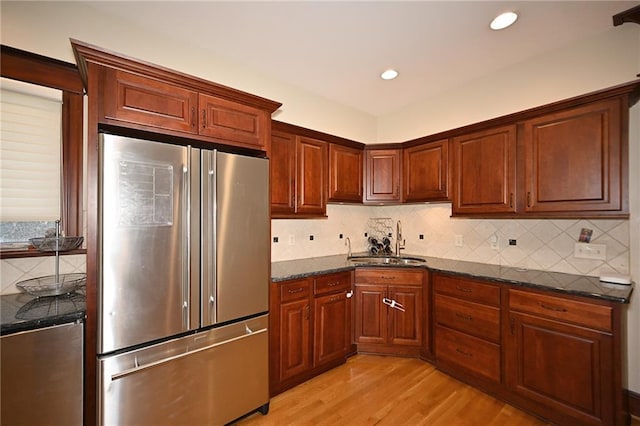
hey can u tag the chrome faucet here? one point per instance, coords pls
(347, 242)
(399, 239)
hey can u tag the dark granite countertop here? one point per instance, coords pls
(22, 312)
(558, 282)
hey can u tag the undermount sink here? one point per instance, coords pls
(386, 260)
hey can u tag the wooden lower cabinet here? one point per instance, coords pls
(388, 317)
(467, 331)
(561, 357)
(556, 356)
(310, 328)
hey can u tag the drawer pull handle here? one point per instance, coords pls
(333, 284)
(463, 289)
(385, 277)
(461, 352)
(464, 317)
(552, 308)
(297, 290)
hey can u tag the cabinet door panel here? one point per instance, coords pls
(371, 314)
(345, 174)
(561, 366)
(312, 176)
(332, 328)
(295, 334)
(426, 172)
(283, 169)
(485, 164)
(144, 101)
(406, 326)
(573, 159)
(230, 121)
(383, 175)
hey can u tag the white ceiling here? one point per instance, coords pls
(337, 49)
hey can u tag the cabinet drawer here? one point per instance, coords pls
(469, 317)
(467, 289)
(581, 313)
(294, 290)
(469, 353)
(388, 276)
(332, 283)
(145, 101)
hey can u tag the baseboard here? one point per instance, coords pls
(634, 402)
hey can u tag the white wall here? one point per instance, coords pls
(45, 28)
(608, 59)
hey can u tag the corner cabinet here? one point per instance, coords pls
(310, 328)
(485, 171)
(426, 172)
(388, 313)
(383, 175)
(574, 160)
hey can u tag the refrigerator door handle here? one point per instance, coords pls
(139, 368)
(186, 248)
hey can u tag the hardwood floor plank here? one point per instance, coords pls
(380, 390)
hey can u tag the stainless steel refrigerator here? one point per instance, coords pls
(183, 284)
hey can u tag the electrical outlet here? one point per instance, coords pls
(292, 239)
(590, 251)
(494, 242)
(459, 240)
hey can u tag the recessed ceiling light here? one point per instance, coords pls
(389, 75)
(503, 20)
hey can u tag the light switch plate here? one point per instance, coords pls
(590, 251)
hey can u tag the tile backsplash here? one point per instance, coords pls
(12, 271)
(542, 244)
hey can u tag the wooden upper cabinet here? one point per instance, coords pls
(485, 171)
(283, 173)
(383, 175)
(134, 99)
(226, 120)
(426, 172)
(574, 161)
(311, 183)
(131, 93)
(345, 174)
(299, 173)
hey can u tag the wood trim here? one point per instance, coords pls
(629, 15)
(86, 53)
(314, 134)
(633, 399)
(37, 69)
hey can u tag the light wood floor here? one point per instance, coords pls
(377, 390)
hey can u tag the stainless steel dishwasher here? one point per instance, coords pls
(41, 375)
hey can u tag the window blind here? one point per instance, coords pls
(30, 152)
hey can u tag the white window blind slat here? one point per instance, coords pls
(30, 156)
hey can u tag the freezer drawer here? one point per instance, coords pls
(209, 378)
(41, 374)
